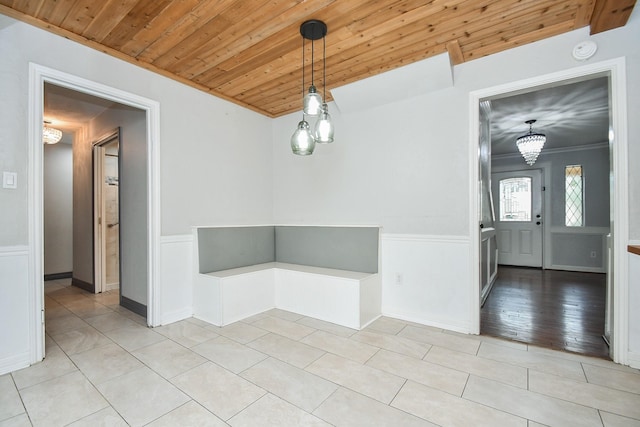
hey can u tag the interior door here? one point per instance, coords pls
(106, 214)
(518, 199)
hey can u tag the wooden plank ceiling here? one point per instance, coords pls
(250, 51)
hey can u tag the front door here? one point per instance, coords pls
(518, 201)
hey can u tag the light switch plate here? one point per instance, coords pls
(9, 180)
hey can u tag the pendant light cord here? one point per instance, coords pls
(324, 69)
(303, 88)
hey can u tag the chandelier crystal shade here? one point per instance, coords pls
(51, 135)
(530, 145)
(304, 139)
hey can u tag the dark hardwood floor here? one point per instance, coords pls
(561, 310)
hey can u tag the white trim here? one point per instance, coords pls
(14, 250)
(620, 218)
(598, 145)
(634, 360)
(577, 268)
(616, 69)
(401, 314)
(154, 290)
(330, 225)
(177, 238)
(15, 362)
(579, 230)
(177, 315)
(287, 225)
(424, 238)
(35, 213)
(38, 75)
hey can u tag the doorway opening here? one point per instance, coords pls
(575, 118)
(143, 172)
(556, 256)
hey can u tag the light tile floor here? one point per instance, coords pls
(105, 367)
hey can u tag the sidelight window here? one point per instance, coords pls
(574, 196)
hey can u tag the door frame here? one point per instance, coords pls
(618, 146)
(38, 76)
(99, 227)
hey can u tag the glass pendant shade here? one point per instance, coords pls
(323, 132)
(302, 142)
(530, 145)
(312, 102)
(51, 135)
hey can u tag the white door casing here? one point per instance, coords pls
(38, 75)
(615, 69)
(519, 238)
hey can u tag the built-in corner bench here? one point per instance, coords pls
(328, 273)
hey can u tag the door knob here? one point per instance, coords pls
(538, 223)
(538, 216)
(481, 225)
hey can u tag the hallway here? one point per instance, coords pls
(561, 310)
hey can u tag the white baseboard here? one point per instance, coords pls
(634, 359)
(13, 363)
(577, 268)
(417, 318)
(176, 315)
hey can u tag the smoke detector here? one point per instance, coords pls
(584, 50)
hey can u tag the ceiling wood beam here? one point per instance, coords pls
(610, 14)
(455, 52)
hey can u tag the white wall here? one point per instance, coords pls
(58, 213)
(215, 156)
(405, 167)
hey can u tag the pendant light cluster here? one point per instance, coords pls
(304, 139)
(530, 144)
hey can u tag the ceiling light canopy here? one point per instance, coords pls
(50, 135)
(304, 139)
(530, 144)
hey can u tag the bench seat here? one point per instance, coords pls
(343, 297)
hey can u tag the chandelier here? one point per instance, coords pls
(50, 135)
(304, 139)
(530, 144)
